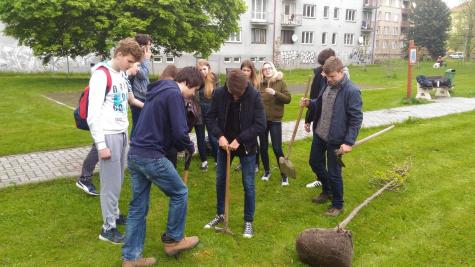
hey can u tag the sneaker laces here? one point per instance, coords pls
(248, 228)
(216, 220)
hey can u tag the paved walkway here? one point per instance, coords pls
(42, 166)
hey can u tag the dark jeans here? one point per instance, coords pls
(275, 130)
(135, 118)
(248, 164)
(200, 136)
(143, 173)
(329, 173)
(89, 164)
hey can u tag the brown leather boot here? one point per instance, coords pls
(139, 262)
(322, 198)
(333, 212)
(171, 249)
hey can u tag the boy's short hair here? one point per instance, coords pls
(143, 39)
(324, 55)
(332, 64)
(129, 46)
(169, 73)
(236, 82)
(191, 76)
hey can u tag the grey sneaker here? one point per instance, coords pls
(248, 232)
(87, 186)
(215, 221)
(112, 235)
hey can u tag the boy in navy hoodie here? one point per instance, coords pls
(161, 125)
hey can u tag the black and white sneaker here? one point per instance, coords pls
(87, 186)
(112, 235)
(204, 166)
(215, 221)
(285, 181)
(248, 232)
(266, 176)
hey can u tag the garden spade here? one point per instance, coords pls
(225, 229)
(285, 164)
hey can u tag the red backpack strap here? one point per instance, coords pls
(109, 78)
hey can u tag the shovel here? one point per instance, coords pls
(285, 164)
(225, 229)
(188, 157)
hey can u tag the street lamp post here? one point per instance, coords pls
(374, 32)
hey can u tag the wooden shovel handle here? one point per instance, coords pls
(227, 193)
(309, 82)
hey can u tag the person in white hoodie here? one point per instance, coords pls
(108, 124)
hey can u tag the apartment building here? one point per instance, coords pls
(292, 33)
(289, 32)
(388, 40)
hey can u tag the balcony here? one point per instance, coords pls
(370, 4)
(261, 17)
(366, 26)
(292, 20)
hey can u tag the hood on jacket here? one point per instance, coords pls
(160, 87)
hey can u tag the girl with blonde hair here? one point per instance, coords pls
(274, 96)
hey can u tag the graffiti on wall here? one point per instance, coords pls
(21, 58)
(294, 57)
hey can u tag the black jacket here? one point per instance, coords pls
(252, 116)
(318, 84)
(347, 115)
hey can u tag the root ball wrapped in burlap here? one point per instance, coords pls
(325, 247)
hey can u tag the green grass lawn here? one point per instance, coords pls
(430, 223)
(33, 123)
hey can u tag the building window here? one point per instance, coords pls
(309, 11)
(348, 39)
(396, 31)
(262, 59)
(237, 59)
(254, 59)
(286, 36)
(366, 40)
(324, 38)
(384, 43)
(227, 60)
(157, 59)
(387, 16)
(380, 15)
(334, 35)
(259, 9)
(258, 36)
(170, 59)
(336, 13)
(394, 44)
(307, 37)
(350, 15)
(234, 37)
(326, 10)
(395, 18)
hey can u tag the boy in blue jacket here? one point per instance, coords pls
(337, 119)
(161, 125)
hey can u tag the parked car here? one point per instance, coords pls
(456, 55)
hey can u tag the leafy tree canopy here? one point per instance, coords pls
(431, 25)
(77, 28)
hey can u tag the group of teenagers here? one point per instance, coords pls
(236, 115)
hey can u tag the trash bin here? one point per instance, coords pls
(450, 75)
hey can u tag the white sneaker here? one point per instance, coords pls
(285, 181)
(313, 184)
(266, 176)
(204, 166)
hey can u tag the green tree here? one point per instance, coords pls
(431, 25)
(463, 28)
(76, 28)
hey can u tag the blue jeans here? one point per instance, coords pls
(144, 172)
(329, 173)
(200, 136)
(135, 118)
(248, 164)
(275, 130)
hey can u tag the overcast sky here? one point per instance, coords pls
(452, 3)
